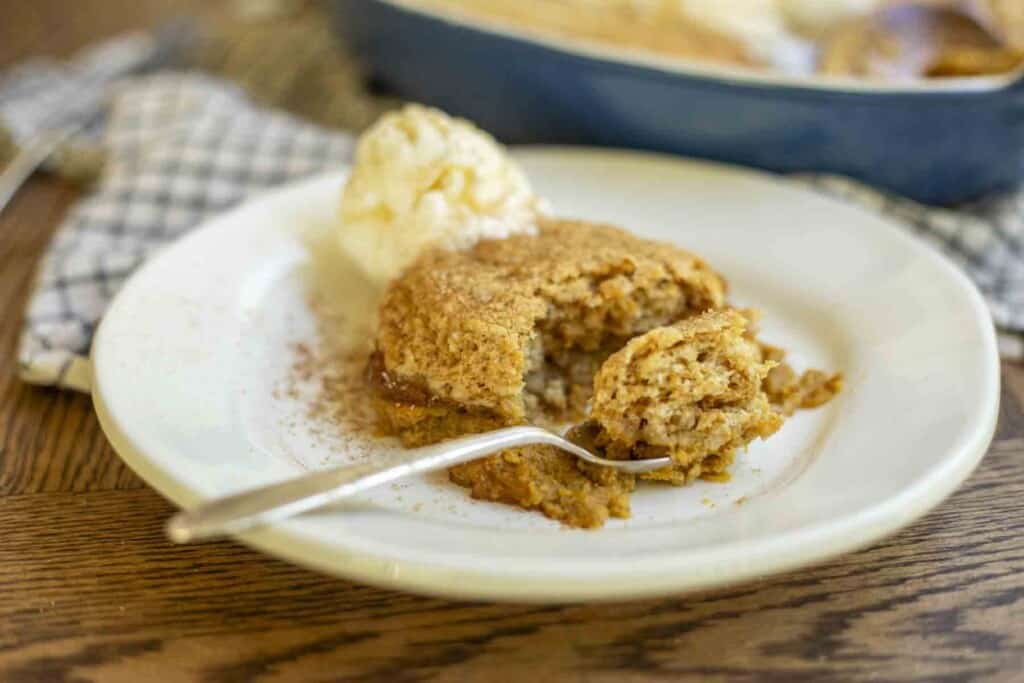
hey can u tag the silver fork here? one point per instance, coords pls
(276, 502)
(30, 158)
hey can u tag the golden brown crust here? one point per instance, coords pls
(790, 392)
(786, 390)
(461, 324)
(692, 389)
(462, 334)
(516, 330)
(545, 479)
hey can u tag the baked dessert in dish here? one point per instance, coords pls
(691, 391)
(889, 40)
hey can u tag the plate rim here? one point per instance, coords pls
(804, 546)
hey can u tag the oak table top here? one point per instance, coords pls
(91, 590)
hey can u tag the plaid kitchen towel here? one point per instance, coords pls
(182, 147)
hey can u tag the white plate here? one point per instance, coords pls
(188, 355)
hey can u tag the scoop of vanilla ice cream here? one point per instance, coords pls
(422, 178)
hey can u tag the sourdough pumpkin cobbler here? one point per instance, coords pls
(691, 391)
(513, 331)
(532, 319)
(534, 327)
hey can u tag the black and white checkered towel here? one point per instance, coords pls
(182, 147)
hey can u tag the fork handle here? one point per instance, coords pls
(26, 161)
(276, 502)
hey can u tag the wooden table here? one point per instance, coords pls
(90, 589)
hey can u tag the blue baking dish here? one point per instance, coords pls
(940, 142)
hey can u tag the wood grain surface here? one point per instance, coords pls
(91, 590)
